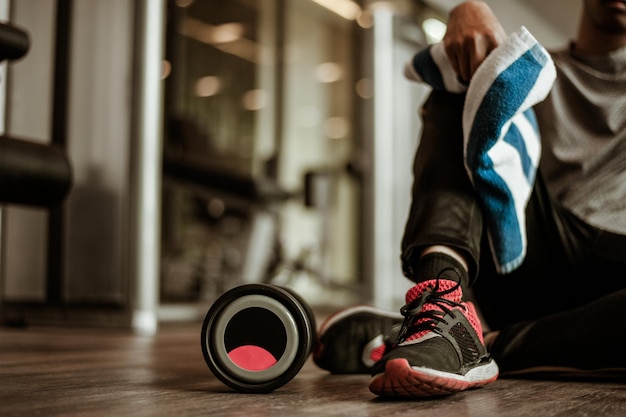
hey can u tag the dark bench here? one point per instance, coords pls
(30, 173)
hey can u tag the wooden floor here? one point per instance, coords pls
(73, 372)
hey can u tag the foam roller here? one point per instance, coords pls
(256, 337)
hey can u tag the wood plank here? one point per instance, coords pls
(104, 372)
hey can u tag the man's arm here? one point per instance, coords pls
(473, 32)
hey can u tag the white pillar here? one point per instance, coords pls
(147, 137)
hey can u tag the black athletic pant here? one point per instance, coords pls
(571, 287)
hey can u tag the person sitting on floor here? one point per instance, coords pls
(558, 304)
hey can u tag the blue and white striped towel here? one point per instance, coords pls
(501, 139)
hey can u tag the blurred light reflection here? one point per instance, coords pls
(328, 72)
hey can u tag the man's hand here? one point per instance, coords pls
(473, 32)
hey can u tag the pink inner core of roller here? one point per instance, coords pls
(252, 358)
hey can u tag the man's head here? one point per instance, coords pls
(602, 26)
(608, 16)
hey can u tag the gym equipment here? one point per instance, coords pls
(14, 42)
(32, 173)
(256, 337)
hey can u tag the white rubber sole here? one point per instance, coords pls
(402, 380)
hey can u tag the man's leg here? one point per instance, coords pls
(444, 215)
(444, 225)
(584, 341)
(440, 348)
(562, 307)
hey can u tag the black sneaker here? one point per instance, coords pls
(352, 340)
(440, 349)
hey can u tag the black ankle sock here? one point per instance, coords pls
(440, 265)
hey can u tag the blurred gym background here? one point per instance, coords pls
(216, 143)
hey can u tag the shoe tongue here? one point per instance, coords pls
(440, 285)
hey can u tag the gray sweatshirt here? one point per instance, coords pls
(583, 129)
